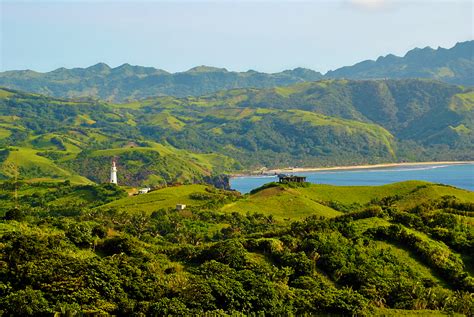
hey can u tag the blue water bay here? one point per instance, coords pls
(461, 176)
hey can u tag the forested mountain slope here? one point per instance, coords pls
(167, 139)
(47, 137)
(454, 65)
(128, 82)
(300, 124)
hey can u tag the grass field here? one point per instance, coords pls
(163, 198)
(359, 194)
(27, 159)
(434, 191)
(287, 204)
(282, 203)
(296, 203)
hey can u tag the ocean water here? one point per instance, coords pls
(461, 176)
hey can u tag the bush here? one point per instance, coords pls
(27, 302)
(15, 214)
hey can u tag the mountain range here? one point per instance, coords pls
(127, 82)
(454, 65)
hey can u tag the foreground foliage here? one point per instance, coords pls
(71, 249)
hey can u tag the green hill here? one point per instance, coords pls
(294, 203)
(322, 123)
(32, 166)
(65, 139)
(194, 139)
(397, 249)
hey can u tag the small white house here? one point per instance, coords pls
(144, 190)
(180, 207)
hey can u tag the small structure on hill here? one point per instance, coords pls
(180, 207)
(144, 190)
(283, 178)
(113, 173)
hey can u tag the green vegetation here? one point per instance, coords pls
(76, 141)
(285, 249)
(128, 82)
(73, 245)
(30, 165)
(398, 249)
(454, 65)
(195, 139)
(164, 198)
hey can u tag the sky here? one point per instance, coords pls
(265, 35)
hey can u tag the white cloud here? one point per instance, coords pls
(369, 4)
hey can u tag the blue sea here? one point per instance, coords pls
(461, 176)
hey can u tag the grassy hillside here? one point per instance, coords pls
(398, 249)
(284, 204)
(294, 203)
(64, 139)
(301, 123)
(193, 139)
(28, 164)
(163, 198)
(151, 165)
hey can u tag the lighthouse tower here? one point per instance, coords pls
(113, 173)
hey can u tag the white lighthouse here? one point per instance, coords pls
(113, 173)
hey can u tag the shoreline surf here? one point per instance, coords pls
(272, 172)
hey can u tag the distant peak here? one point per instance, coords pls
(301, 70)
(124, 65)
(418, 50)
(465, 43)
(135, 69)
(206, 69)
(303, 73)
(99, 66)
(59, 70)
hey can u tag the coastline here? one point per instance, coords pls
(272, 172)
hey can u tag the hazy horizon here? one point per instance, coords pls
(265, 36)
(230, 70)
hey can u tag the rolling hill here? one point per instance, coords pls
(193, 139)
(398, 249)
(296, 125)
(76, 141)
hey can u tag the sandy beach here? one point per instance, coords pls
(349, 167)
